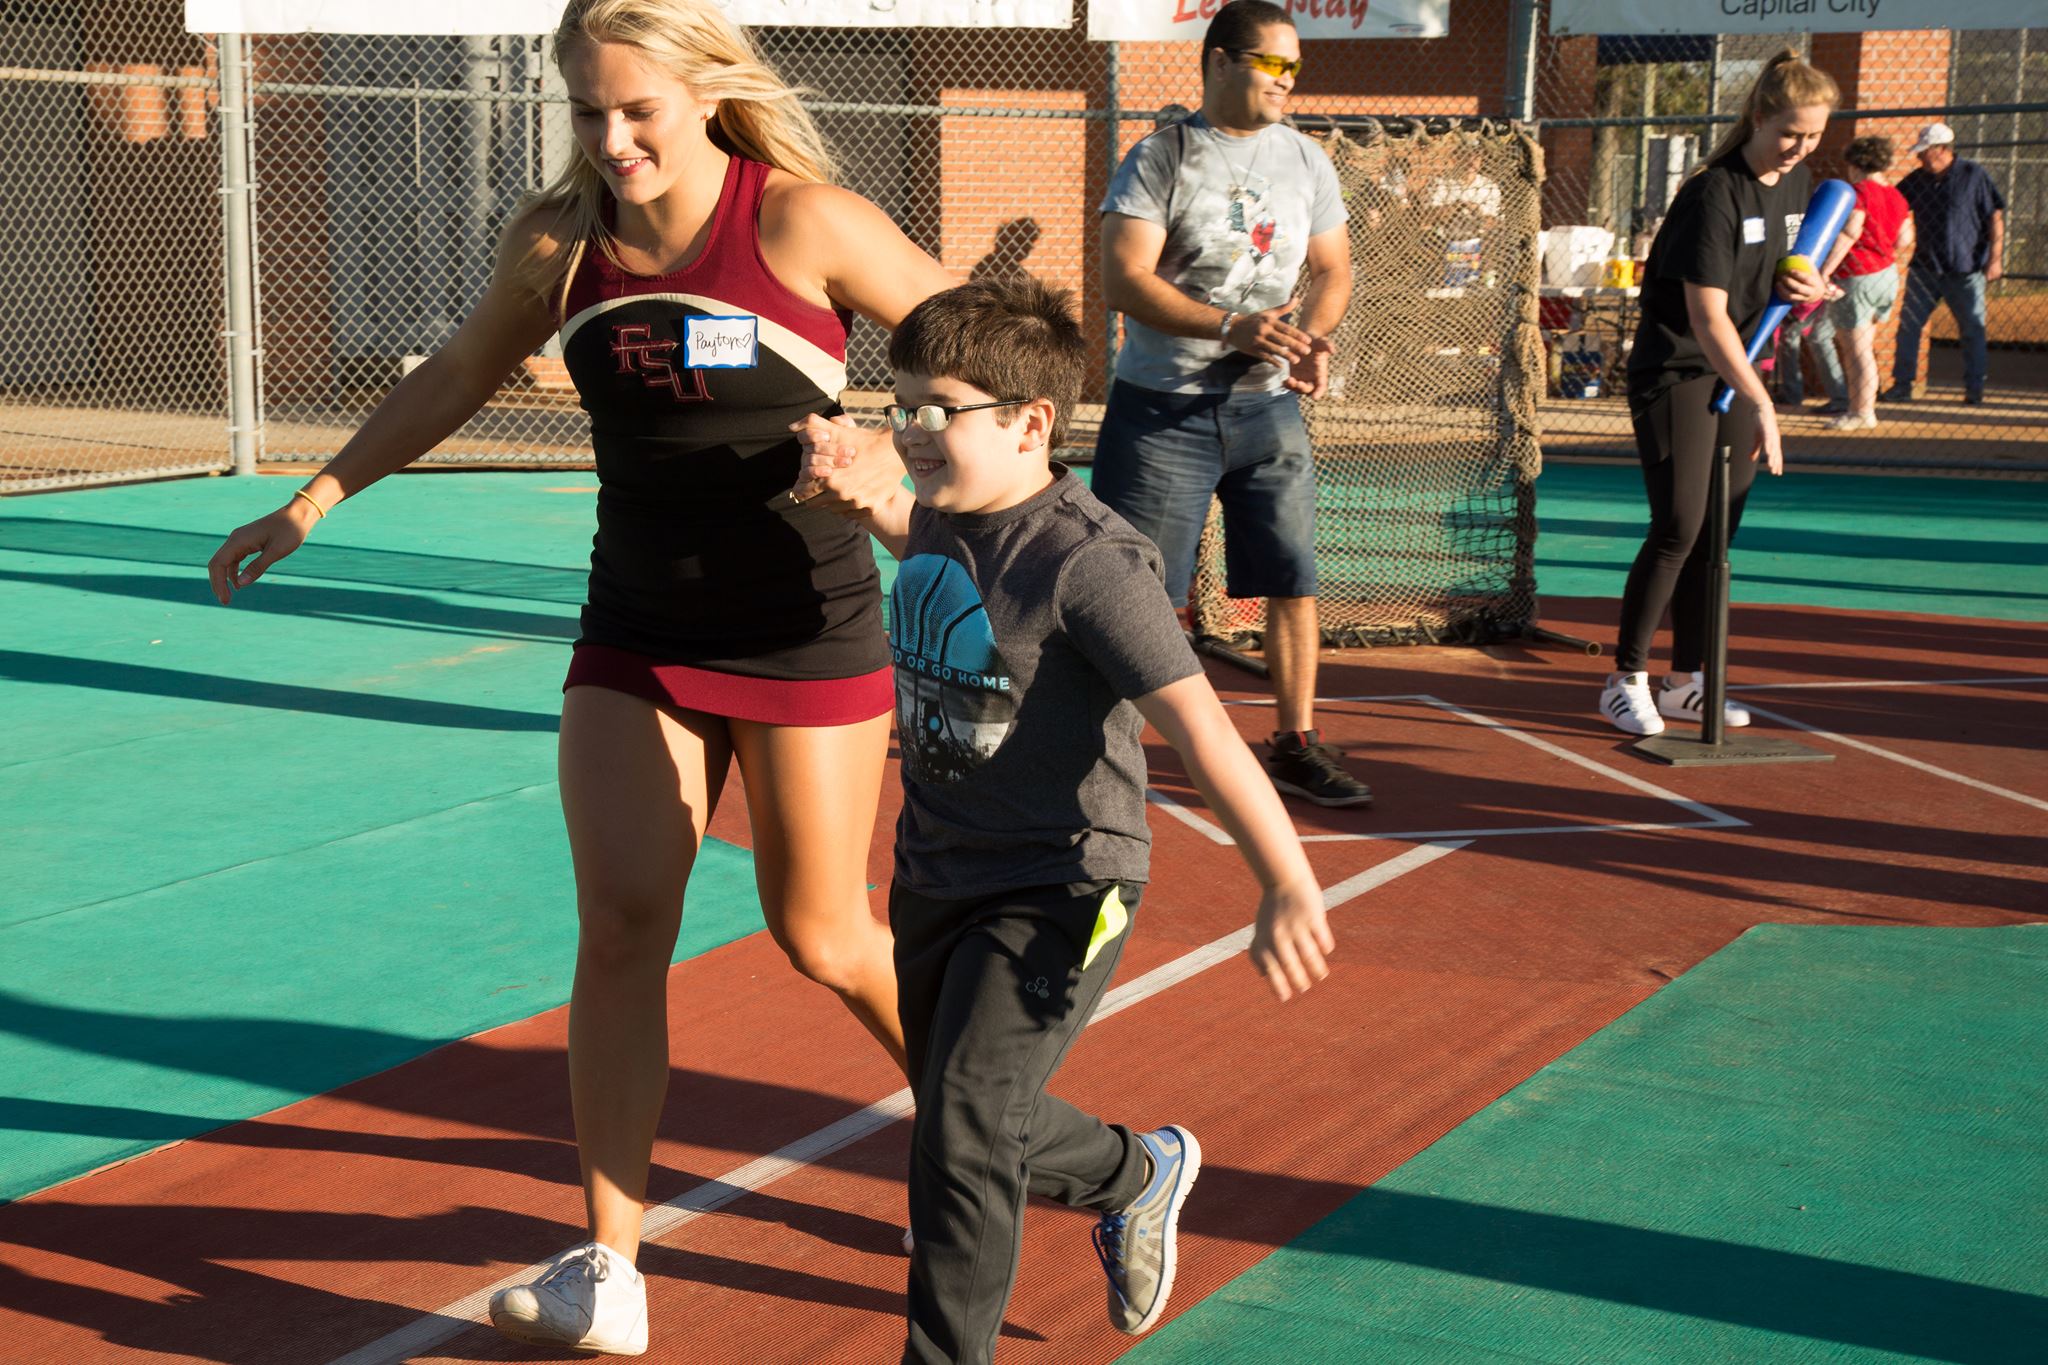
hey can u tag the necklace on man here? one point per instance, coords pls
(1242, 186)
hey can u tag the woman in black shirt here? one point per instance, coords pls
(1712, 270)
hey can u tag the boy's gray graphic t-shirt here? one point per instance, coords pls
(1238, 213)
(1019, 640)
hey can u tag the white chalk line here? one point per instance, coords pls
(1925, 767)
(427, 1332)
(1706, 817)
(1887, 682)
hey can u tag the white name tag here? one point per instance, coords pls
(721, 343)
(1752, 231)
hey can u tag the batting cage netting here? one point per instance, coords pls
(1425, 446)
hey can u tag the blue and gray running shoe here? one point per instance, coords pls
(1136, 1244)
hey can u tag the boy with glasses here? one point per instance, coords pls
(1204, 229)
(1033, 639)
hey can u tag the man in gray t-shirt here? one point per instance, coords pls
(1205, 230)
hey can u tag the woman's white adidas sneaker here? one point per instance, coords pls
(1628, 705)
(1687, 701)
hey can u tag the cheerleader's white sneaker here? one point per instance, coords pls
(589, 1297)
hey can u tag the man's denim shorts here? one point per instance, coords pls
(1161, 455)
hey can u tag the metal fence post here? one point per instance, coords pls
(1113, 103)
(238, 237)
(1522, 39)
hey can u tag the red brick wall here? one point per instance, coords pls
(1011, 184)
(1901, 70)
(154, 285)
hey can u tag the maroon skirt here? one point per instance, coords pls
(767, 701)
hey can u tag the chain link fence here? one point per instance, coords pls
(1624, 118)
(110, 249)
(1426, 449)
(378, 171)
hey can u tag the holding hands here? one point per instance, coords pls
(847, 468)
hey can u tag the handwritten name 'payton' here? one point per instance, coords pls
(709, 342)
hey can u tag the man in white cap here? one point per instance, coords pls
(1960, 218)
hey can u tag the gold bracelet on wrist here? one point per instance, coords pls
(313, 501)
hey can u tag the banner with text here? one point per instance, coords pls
(484, 17)
(1172, 20)
(1785, 16)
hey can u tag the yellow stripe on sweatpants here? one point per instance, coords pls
(1110, 921)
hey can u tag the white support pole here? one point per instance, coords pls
(1522, 41)
(237, 190)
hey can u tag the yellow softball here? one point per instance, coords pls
(1792, 263)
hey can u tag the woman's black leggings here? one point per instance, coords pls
(1676, 437)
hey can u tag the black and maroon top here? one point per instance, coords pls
(692, 380)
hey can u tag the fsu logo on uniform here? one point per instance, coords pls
(639, 353)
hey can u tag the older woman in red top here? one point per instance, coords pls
(1863, 268)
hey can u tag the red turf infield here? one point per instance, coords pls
(307, 1234)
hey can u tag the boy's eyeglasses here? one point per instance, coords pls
(937, 416)
(1270, 63)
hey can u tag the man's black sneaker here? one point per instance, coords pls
(1300, 764)
(1975, 398)
(1898, 393)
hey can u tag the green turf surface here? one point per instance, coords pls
(1944, 547)
(1822, 1144)
(255, 852)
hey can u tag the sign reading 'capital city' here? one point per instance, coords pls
(1786, 16)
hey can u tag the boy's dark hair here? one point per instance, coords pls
(1010, 338)
(1871, 153)
(1237, 26)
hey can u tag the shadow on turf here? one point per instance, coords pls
(464, 1084)
(1780, 639)
(1919, 1316)
(1554, 692)
(1905, 591)
(218, 1310)
(340, 563)
(1805, 542)
(64, 670)
(400, 610)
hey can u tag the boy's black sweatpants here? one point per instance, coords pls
(992, 993)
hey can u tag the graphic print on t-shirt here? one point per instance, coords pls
(1246, 238)
(954, 706)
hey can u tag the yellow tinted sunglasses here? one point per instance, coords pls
(1272, 65)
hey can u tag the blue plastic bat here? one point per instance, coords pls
(1832, 203)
